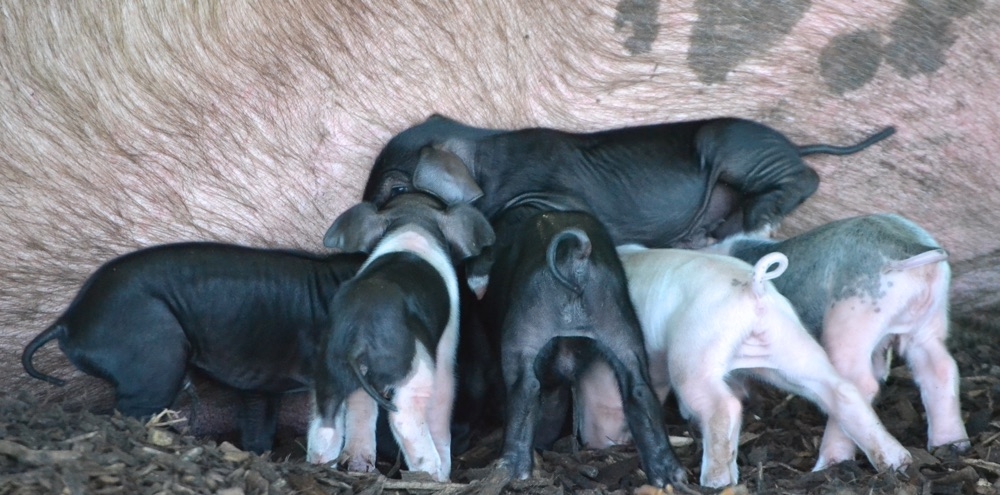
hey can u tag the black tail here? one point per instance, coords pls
(580, 254)
(54, 332)
(365, 384)
(827, 149)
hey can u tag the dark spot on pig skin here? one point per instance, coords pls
(950, 8)
(850, 60)
(728, 32)
(640, 16)
(920, 36)
(863, 280)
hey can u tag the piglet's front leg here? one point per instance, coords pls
(359, 443)
(326, 433)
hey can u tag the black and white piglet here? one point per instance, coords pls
(395, 330)
(861, 286)
(556, 301)
(248, 318)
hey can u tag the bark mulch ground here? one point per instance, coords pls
(46, 449)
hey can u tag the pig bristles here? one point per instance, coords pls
(761, 271)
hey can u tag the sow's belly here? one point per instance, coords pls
(260, 126)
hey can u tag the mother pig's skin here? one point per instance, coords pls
(129, 125)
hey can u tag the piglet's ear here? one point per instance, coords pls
(444, 174)
(466, 230)
(357, 229)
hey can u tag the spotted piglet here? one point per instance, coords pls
(710, 319)
(864, 285)
(394, 331)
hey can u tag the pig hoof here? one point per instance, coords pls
(667, 476)
(961, 447)
(360, 464)
(830, 455)
(958, 447)
(716, 482)
(519, 466)
(903, 462)
(898, 461)
(679, 477)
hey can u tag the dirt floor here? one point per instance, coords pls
(45, 449)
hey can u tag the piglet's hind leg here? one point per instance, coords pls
(851, 337)
(440, 408)
(936, 374)
(805, 369)
(258, 421)
(148, 369)
(719, 413)
(410, 424)
(643, 411)
(523, 389)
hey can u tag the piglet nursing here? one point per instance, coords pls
(394, 331)
(248, 318)
(708, 319)
(556, 302)
(864, 285)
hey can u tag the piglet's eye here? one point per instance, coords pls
(397, 190)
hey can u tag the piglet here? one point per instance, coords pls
(864, 285)
(248, 318)
(395, 330)
(555, 299)
(708, 319)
